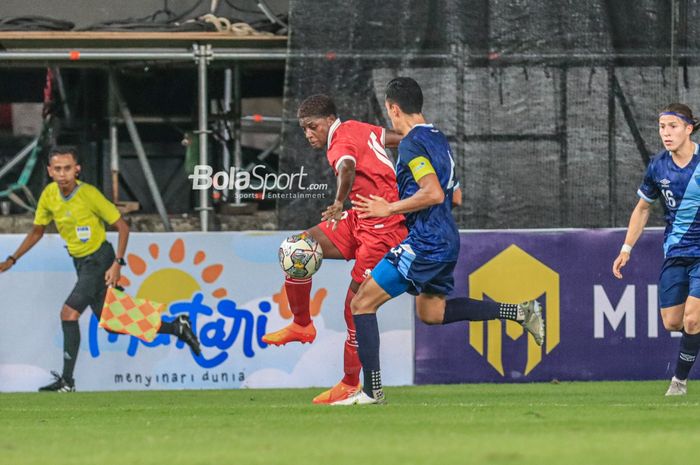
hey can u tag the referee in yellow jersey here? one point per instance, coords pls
(80, 212)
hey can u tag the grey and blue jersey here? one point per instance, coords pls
(679, 189)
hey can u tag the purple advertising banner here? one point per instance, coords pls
(598, 327)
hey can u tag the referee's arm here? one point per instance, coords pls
(123, 229)
(113, 274)
(32, 238)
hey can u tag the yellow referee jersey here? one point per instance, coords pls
(79, 218)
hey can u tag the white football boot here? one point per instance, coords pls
(361, 398)
(678, 387)
(532, 319)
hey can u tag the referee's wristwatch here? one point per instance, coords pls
(120, 261)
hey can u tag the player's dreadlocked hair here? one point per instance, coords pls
(317, 106)
(684, 112)
(405, 92)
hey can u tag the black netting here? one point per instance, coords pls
(550, 106)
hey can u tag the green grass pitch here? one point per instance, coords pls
(567, 423)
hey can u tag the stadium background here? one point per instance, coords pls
(551, 109)
(550, 106)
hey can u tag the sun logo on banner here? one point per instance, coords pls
(170, 283)
(514, 276)
(187, 282)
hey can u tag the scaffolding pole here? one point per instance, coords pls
(140, 151)
(113, 142)
(114, 160)
(475, 58)
(78, 56)
(224, 131)
(237, 112)
(202, 57)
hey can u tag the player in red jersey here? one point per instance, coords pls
(356, 154)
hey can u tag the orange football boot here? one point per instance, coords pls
(340, 391)
(291, 333)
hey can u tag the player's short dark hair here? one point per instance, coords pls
(682, 109)
(64, 150)
(406, 93)
(317, 106)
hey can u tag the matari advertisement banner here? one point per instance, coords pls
(598, 327)
(230, 285)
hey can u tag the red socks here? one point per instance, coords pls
(299, 295)
(351, 360)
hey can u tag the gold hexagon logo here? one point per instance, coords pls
(514, 276)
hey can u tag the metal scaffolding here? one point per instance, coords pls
(202, 55)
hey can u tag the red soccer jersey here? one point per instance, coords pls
(374, 172)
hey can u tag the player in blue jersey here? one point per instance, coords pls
(423, 263)
(672, 176)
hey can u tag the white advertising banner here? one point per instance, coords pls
(229, 284)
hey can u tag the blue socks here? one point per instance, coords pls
(690, 345)
(462, 308)
(368, 349)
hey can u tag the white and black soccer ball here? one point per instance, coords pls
(300, 256)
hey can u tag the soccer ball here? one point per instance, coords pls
(300, 256)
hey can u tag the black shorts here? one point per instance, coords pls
(91, 288)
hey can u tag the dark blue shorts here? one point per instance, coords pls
(402, 271)
(680, 277)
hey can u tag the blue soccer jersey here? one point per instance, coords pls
(679, 188)
(433, 233)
